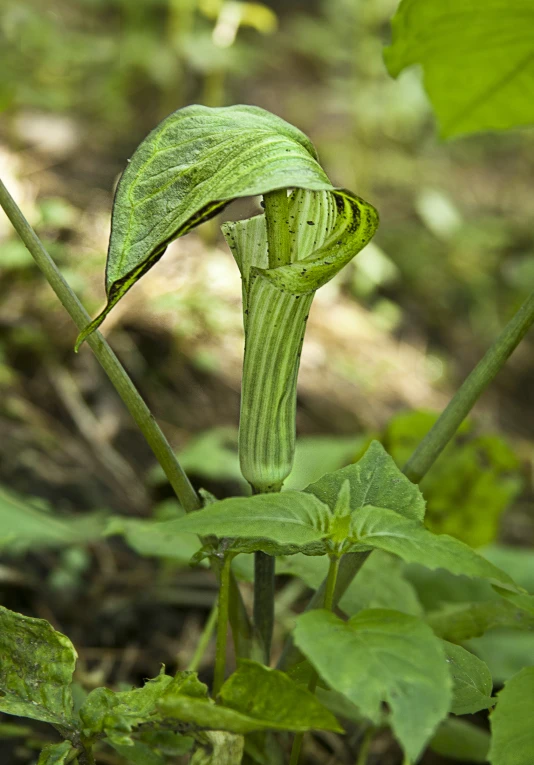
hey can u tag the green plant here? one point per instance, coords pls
(397, 662)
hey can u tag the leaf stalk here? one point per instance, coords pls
(222, 625)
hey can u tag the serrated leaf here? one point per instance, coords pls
(55, 754)
(116, 715)
(382, 656)
(477, 59)
(411, 541)
(374, 480)
(472, 684)
(292, 520)
(36, 666)
(512, 741)
(26, 524)
(188, 168)
(254, 698)
(461, 740)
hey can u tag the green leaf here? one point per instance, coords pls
(148, 538)
(374, 480)
(411, 541)
(512, 740)
(292, 520)
(459, 740)
(138, 753)
(56, 754)
(267, 694)
(317, 455)
(460, 622)
(188, 169)
(478, 60)
(381, 657)
(115, 715)
(218, 748)
(505, 652)
(472, 684)
(29, 524)
(253, 698)
(36, 666)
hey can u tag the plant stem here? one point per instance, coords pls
(465, 398)
(363, 752)
(222, 625)
(105, 356)
(264, 566)
(204, 639)
(330, 589)
(277, 221)
(123, 385)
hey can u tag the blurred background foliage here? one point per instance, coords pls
(389, 339)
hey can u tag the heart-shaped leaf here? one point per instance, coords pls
(382, 656)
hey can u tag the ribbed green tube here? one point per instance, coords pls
(274, 336)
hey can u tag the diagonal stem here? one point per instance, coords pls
(434, 442)
(126, 390)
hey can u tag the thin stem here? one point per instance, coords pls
(222, 626)
(204, 639)
(465, 398)
(122, 383)
(277, 221)
(363, 752)
(105, 356)
(330, 589)
(264, 581)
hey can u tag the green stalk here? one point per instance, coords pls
(126, 390)
(264, 591)
(222, 626)
(329, 596)
(363, 753)
(467, 395)
(204, 639)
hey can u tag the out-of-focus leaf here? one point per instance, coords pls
(317, 455)
(374, 480)
(149, 538)
(254, 698)
(471, 483)
(56, 754)
(461, 740)
(477, 60)
(116, 715)
(36, 666)
(512, 741)
(382, 656)
(460, 622)
(138, 753)
(472, 684)
(167, 742)
(380, 582)
(516, 561)
(411, 541)
(24, 525)
(505, 652)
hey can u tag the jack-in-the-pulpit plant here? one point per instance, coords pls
(389, 664)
